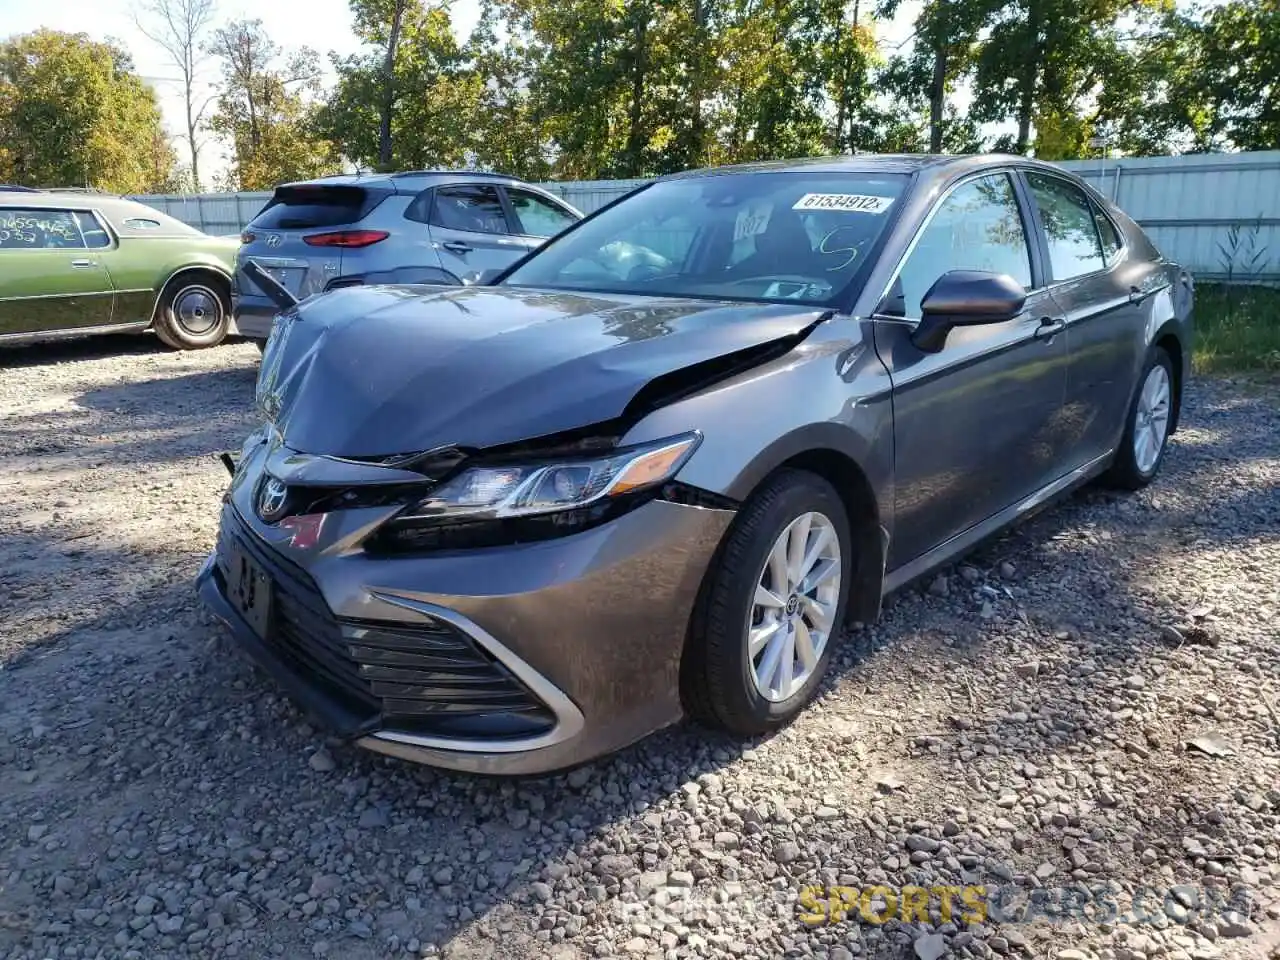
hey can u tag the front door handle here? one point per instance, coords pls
(81, 264)
(1050, 327)
(456, 246)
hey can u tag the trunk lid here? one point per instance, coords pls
(277, 238)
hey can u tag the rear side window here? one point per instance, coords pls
(303, 207)
(1110, 236)
(475, 209)
(1069, 226)
(95, 237)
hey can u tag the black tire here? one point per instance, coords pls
(1125, 472)
(716, 674)
(194, 311)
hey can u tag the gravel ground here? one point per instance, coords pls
(1020, 722)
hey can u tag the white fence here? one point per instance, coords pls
(1193, 207)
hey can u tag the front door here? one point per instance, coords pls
(469, 230)
(537, 218)
(49, 278)
(975, 425)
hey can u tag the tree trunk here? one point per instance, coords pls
(697, 124)
(937, 98)
(635, 135)
(191, 141)
(389, 88)
(1030, 74)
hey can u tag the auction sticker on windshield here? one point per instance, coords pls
(847, 202)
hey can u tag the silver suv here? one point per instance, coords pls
(420, 226)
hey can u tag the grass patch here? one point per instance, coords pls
(1237, 329)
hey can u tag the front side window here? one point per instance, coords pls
(474, 209)
(1069, 227)
(776, 236)
(39, 229)
(538, 217)
(976, 227)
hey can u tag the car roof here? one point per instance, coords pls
(933, 164)
(115, 208)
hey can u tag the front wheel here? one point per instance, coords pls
(762, 635)
(1146, 433)
(194, 312)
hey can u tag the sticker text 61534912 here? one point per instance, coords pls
(844, 202)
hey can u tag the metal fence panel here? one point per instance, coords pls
(1189, 204)
(1193, 206)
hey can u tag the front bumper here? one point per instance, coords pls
(580, 637)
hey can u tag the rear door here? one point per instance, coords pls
(50, 276)
(1101, 294)
(470, 230)
(300, 237)
(536, 218)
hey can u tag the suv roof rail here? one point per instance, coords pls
(453, 173)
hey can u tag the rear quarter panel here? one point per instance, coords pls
(141, 266)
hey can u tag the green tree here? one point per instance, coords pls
(413, 98)
(267, 109)
(74, 112)
(1045, 63)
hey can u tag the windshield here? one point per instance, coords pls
(793, 237)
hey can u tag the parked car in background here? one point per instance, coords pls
(77, 263)
(659, 465)
(419, 226)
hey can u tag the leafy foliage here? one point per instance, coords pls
(267, 109)
(74, 113)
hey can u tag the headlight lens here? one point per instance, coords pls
(500, 492)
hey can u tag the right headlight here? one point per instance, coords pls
(503, 503)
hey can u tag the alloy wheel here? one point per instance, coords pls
(1151, 419)
(793, 610)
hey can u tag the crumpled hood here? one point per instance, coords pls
(365, 372)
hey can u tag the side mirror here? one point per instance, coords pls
(962, 298)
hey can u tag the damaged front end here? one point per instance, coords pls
(441, 523)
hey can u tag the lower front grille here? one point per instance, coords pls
(429, 678)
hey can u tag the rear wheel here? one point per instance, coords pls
(1146, 433)
(194, 312)
(762, 635)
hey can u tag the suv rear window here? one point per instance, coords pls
(297, 208)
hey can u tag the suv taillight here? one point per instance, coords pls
(346, 238)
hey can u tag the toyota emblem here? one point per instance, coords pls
(273, 240)
(271, 500)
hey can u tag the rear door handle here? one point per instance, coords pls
(456, 246)
(80, 264)
(1050, 327)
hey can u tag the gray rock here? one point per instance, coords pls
(918, 841)
(786, 852)
(145, 905)
(321, 761)
(930, 947)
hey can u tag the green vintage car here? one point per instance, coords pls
(76, 264)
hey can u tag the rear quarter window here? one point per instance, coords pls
(300, 208)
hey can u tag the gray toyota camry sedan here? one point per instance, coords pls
(654, 468)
